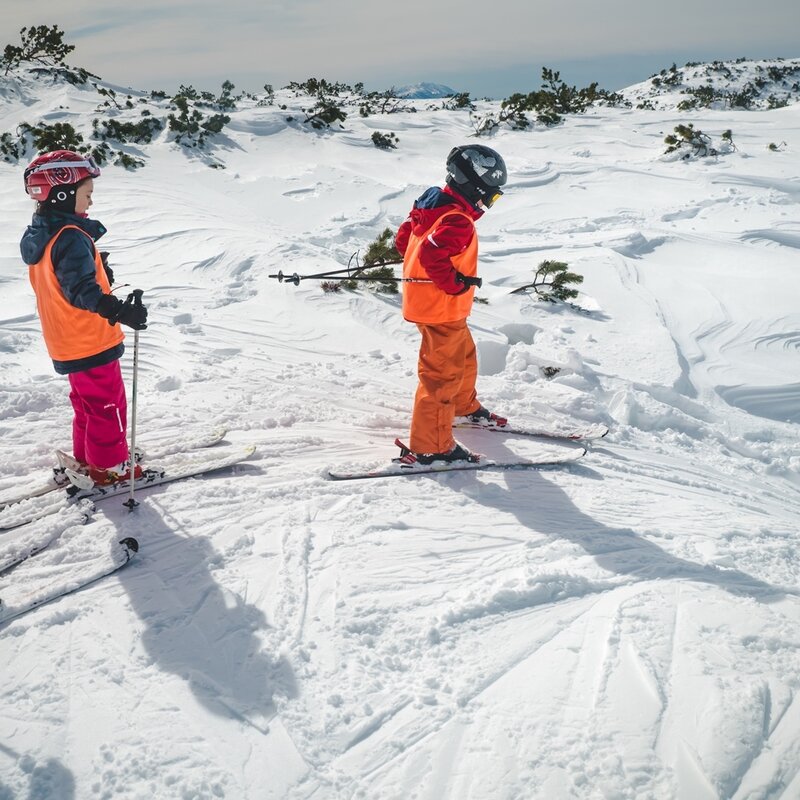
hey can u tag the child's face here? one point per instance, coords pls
(83, 196)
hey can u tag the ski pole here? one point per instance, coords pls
(468, 281)
(134, 297)
(295, 279)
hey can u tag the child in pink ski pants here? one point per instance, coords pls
(99, 426)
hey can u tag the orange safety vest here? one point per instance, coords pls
(70, 333)
(425, 302)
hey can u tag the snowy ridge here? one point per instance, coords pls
(626, 627)
(743, 83)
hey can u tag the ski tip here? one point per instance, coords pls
(130, 543)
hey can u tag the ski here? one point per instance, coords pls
(184, 466)
(121, 553)
(397, 469)
(19, 545)
(588, 434)
(59, 479)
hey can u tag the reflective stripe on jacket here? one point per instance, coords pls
(425, 302)
(70, 333)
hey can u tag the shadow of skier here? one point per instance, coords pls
(620, 550)
(196, 629)
(49, 780)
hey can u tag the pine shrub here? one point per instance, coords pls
(382, 251)
(381, 279)
(40, 44)
(552, 282)
(385, 141)
(697, 144)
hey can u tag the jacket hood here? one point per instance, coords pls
(434, 202)
(44, 227)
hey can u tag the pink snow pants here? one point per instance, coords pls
(101, 409)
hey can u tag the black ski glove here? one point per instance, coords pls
(109, 271)
(468, 282)
(114, 310)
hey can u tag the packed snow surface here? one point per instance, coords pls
(626, 627)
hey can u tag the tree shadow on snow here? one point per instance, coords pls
(542, 506)
(198, 630)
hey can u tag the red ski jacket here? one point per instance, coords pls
(450, 238)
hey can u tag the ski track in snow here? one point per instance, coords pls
(626, 627)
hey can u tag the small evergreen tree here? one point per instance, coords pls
(727, 137)
(226, 101)
(128, 161)
(324, 113)
(378, 260)
(551, 282)
(382, 251)
(59, 136)
(110, 94)
(549, 104)
(11, 149)
(328, 107)
(458, 101)
(688, 137)
(191, 128)
(381, 279)
(382, 103)
(39, 43)
(137, 132)
(269, 96)
(385, 141)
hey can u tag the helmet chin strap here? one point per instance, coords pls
(465, 190)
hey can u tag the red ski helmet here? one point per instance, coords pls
(61, 167)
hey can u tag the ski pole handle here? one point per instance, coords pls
(135, 298)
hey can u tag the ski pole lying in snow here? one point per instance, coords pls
(295, 278)
(134, 297)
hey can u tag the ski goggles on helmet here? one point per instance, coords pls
(88, 163)
(491, 197)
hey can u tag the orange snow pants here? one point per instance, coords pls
(448, 367)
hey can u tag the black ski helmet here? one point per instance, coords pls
(477, 172)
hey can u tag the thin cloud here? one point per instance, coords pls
(187, 40)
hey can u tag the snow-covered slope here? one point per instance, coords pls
(743, 83)
(627, 627)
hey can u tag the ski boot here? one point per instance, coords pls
(457, 453)
(482, 417)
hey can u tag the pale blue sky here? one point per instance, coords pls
(485, 48)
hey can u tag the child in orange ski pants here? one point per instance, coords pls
(448, 368)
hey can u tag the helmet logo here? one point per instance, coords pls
(481, 163)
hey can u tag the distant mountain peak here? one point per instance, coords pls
(424, 91)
